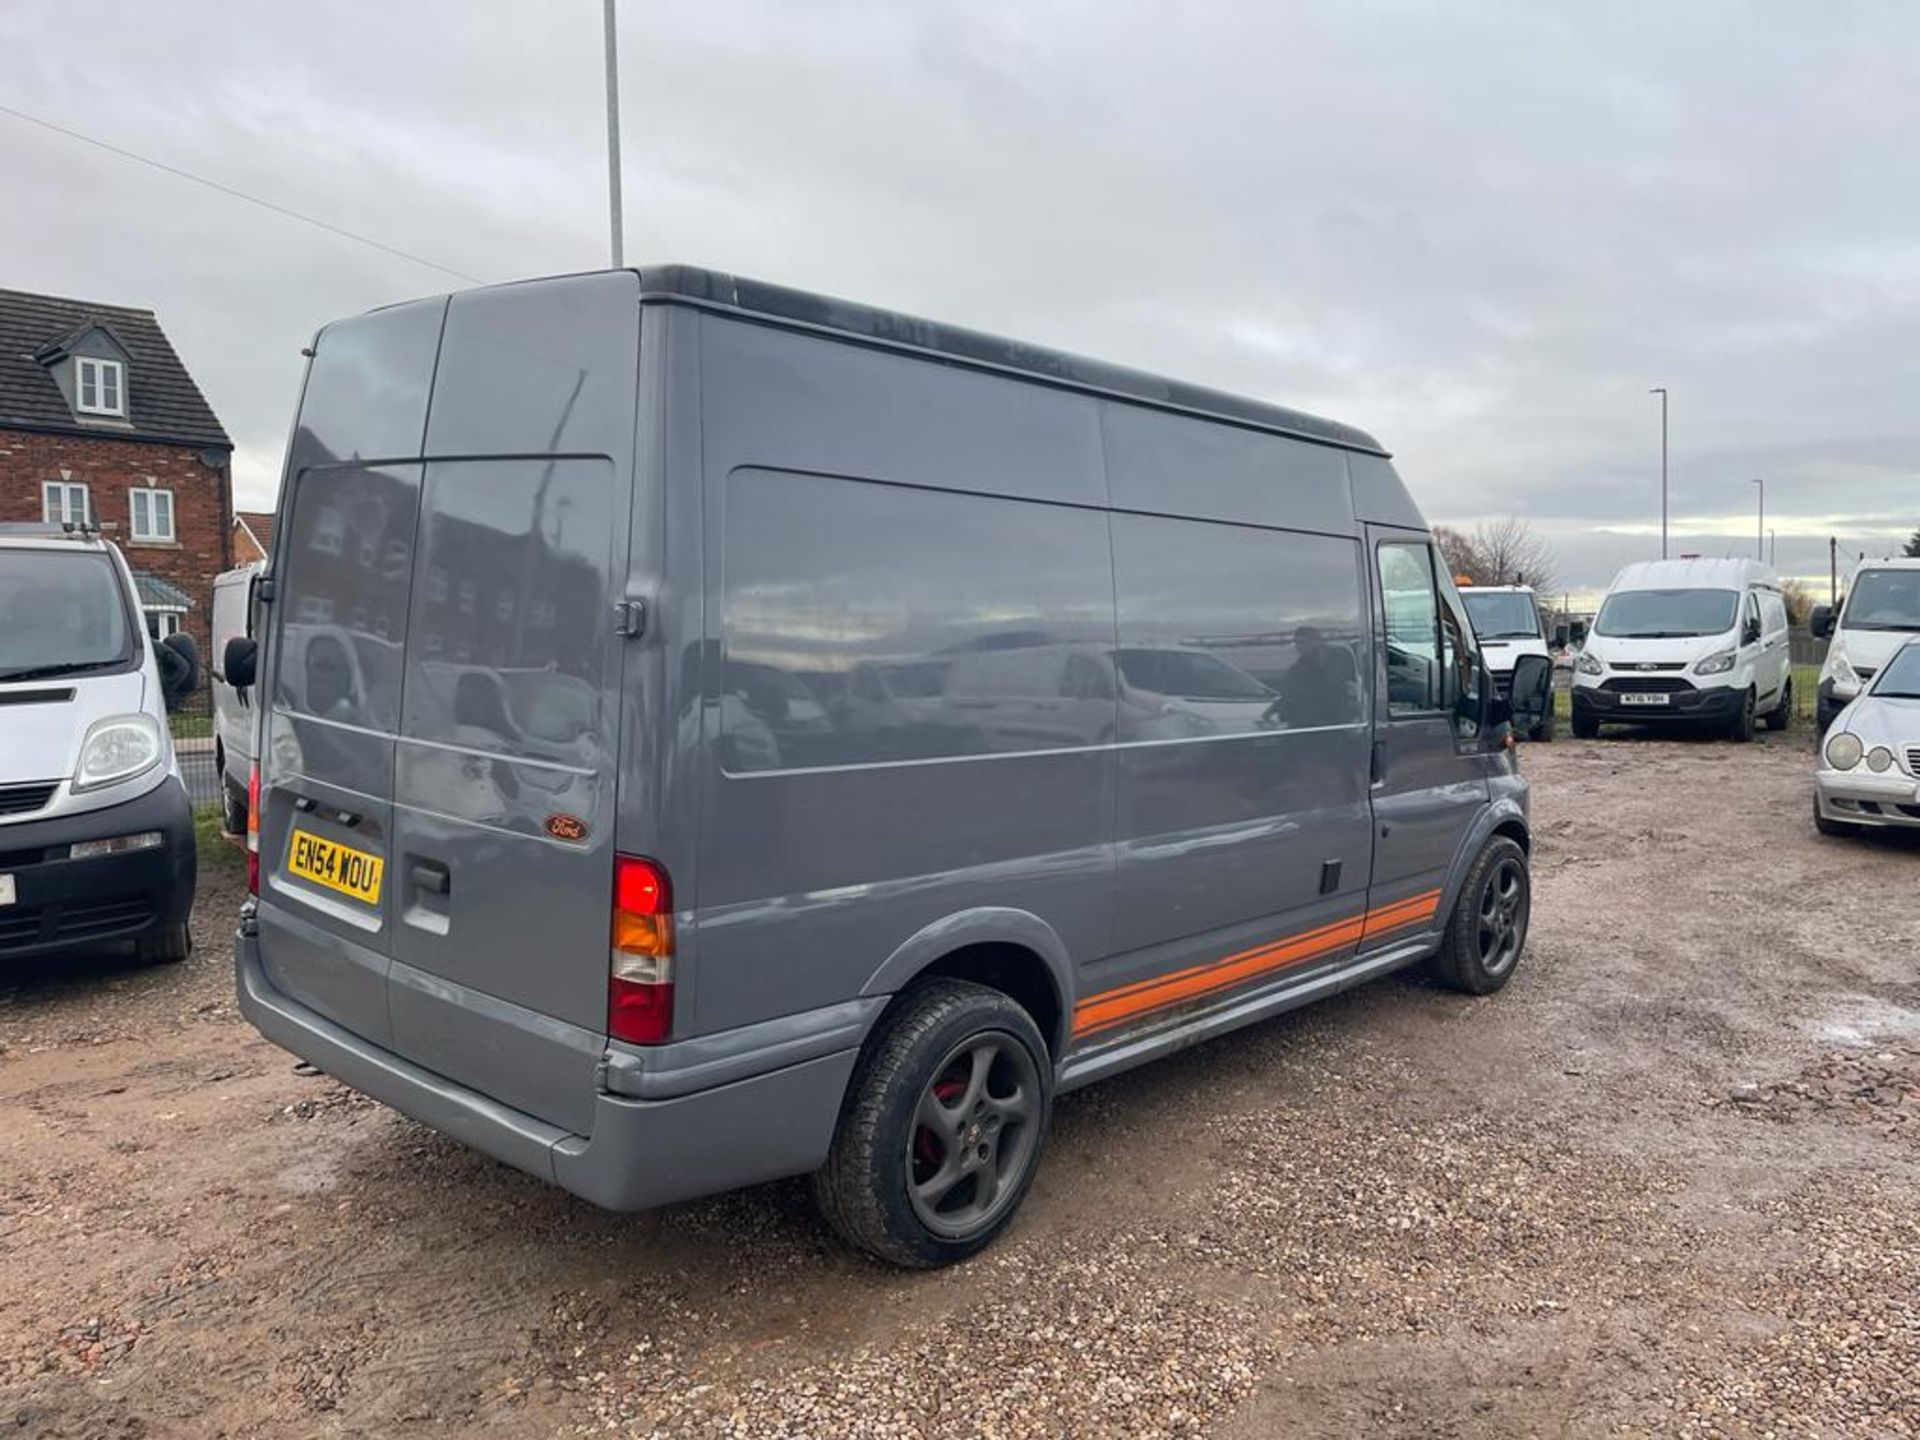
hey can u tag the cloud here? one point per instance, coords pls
(1479, 232)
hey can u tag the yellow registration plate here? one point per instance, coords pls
(338, 867)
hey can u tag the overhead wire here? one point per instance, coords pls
(239, 194)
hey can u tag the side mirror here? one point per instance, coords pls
(1821, 622)
(238, 665)
(179, 661)
(1561, 634)
(1750, 633)
(1531, 693)
(1578, 630)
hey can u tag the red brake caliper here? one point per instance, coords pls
(926, 1146)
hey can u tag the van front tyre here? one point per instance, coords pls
(170, 946)
(1585, 729)
(942, 1127)
(1488, 927)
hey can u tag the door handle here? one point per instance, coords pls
(1377, 767)
(431, 877)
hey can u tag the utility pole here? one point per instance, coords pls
(1760, 534)
(1833, 570)
(613, 135)
(1661, 391)
(1773, 547)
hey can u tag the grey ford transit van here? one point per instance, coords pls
(711, 732)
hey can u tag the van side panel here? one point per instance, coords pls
(1379, 495)
(1243, 817)
(1176, 465)
(903, 714)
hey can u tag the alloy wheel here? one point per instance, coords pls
(974, 1135)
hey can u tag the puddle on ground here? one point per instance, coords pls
(1861, 1020)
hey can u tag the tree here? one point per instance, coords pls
(1510, 553)
(1913, 546)
(1458, 554)
(1799, 600)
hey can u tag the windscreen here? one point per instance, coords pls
(1501, 614)
(1884, 600)
(60, 614)
(1899, 679)
(1666, 614)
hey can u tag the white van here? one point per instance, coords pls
(96, 836)
(1701, 642)
(1506, 618)
(232, 613)
(1877, 615)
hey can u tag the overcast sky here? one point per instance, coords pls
(1480, 231)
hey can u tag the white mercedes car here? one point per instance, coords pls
(1869, 773)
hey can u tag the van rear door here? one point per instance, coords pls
(492, 822)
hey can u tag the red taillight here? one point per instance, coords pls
(640, 980)
(253, 829)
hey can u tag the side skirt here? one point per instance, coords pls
(1109, 1056)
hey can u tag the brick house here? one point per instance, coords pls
(252, 536)
(100, 421)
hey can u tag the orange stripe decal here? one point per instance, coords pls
(1112, 1007)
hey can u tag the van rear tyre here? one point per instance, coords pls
(942, 1127)
(1488, 928)
(1778, 717)
(1741, 727)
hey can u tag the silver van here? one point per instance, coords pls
(96, 836)
(712, 732)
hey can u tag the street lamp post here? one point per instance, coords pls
(1661, 391)
(613, 136)
(1760, 535)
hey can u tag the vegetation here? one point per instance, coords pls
(1799, 600)
(216, 852)
(189, 726)
(1499, 552)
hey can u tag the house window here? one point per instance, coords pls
(162, 623)
(63, 502)
(152, 513)
(100, 387)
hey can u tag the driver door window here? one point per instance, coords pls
(1410, 612)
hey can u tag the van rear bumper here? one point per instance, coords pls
(641, 1153)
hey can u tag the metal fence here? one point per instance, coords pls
(192, 725)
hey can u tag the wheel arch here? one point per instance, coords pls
(1013, 951)
(1504, 816)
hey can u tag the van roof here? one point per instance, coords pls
(34, 536)
(1897, 562)
(1694, 575)
(714, 290)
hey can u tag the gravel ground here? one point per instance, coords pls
(1664, 1184)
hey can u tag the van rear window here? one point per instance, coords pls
(346, 563)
